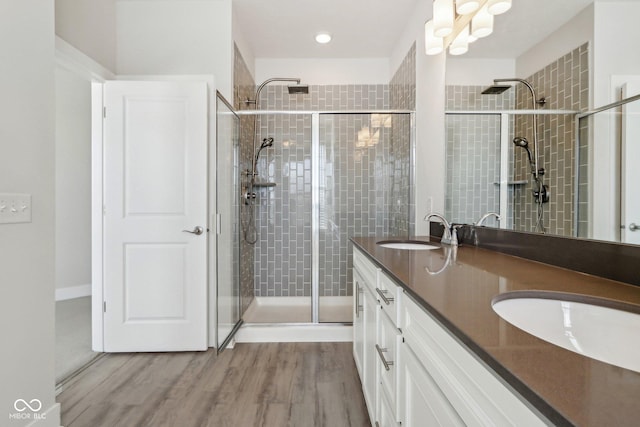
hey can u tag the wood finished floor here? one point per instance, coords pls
(274, 384)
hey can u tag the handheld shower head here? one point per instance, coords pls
(521, 141)
(266, 142)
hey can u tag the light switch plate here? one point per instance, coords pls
(15, 208)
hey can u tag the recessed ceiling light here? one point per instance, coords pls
(323, 38)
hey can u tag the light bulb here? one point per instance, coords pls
(432, 45)
(460, 44)
(443, 16)
(496, 7)
(482, 23)
(465, 7)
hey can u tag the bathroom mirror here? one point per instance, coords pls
(585, 187)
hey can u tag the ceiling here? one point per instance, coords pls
(371, 28)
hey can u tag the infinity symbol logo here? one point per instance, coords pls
(22, 405)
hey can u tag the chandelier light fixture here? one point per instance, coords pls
(456, 23)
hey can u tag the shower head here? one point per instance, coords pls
(298, 89)
(520, 141)
(496, 89)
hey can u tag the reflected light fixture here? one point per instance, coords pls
(323, 38)
(456, 23)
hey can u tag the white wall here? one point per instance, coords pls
(90, 26)
(478, 72)
(176, 37)
(27, 250)
(325, 71)
(573, 34)
(73, 179)
(245, 49)
(430, 129)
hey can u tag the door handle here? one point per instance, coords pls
(634, 227)
(196, 230)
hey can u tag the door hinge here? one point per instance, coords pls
(104, 306)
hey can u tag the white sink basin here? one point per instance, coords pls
(601, 329)
(412, 245)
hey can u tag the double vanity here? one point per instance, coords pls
(435, 341)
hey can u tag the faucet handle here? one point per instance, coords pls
(454, 233)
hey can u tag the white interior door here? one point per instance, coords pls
(630, 202)
(155, 186)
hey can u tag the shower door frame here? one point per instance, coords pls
(315, 189)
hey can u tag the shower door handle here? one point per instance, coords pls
(196, 230)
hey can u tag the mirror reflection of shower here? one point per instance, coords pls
(248, 192)
(540, 191)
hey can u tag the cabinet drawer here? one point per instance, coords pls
(390, 296)
(368, 271)
(387, 347)
(470, 386)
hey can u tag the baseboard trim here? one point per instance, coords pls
(252, 333)
(72, 292)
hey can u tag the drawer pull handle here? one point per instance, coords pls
(385, 362)
(387, 300)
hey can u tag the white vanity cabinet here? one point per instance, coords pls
(366, 308)
(414, 372)
(458, 389)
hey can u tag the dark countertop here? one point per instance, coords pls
(567, 388)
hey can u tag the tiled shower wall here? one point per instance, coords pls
(402, 96)
(565, 85)
(244, 88)
(473, 154)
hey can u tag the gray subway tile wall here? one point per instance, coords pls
(565, 85)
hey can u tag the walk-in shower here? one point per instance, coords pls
(327, 175)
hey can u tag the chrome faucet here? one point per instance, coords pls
(486, 216)
(450, 235)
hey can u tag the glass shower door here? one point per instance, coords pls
(364, 189)
(227, 223)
